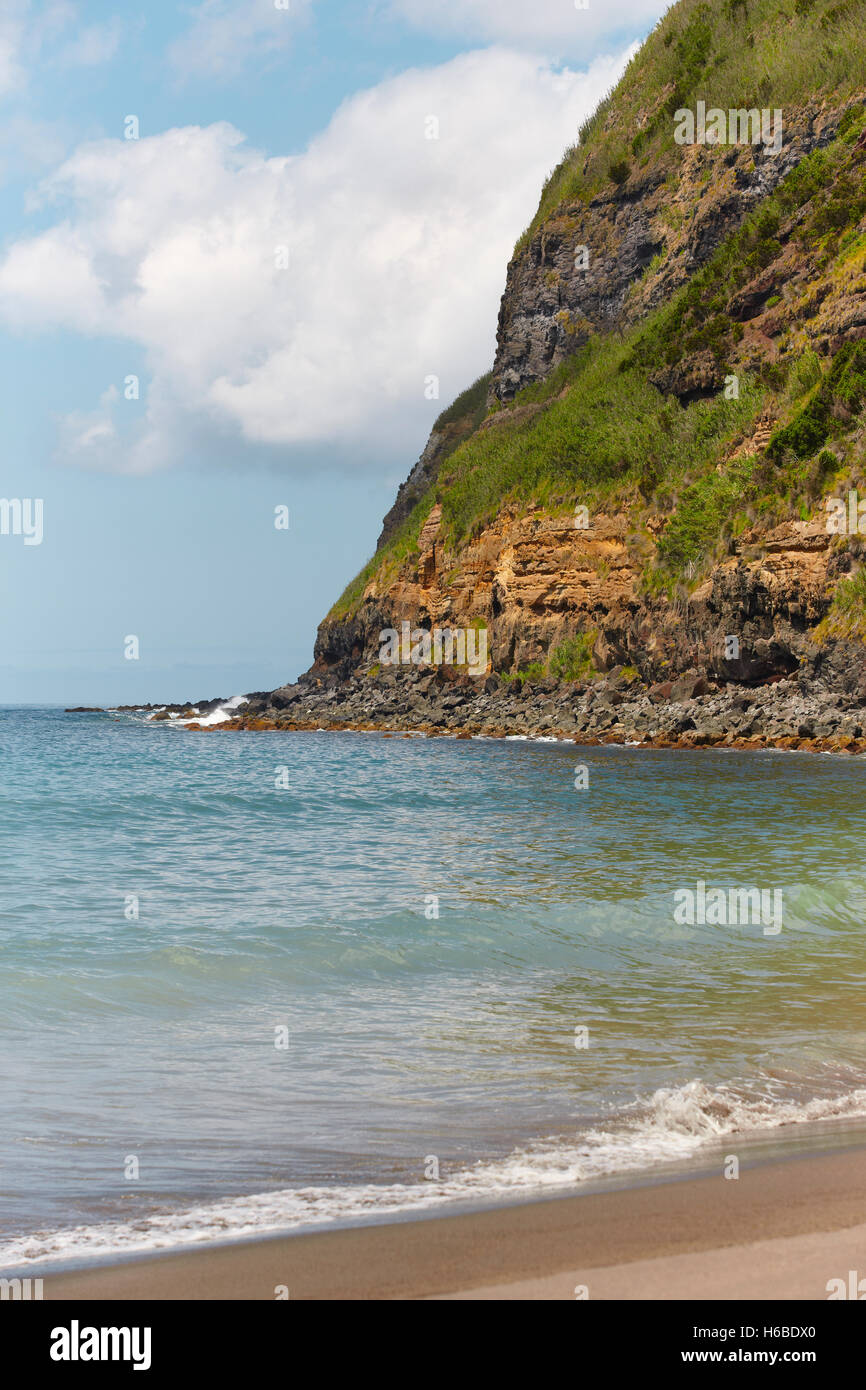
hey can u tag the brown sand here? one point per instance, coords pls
(781, 1230)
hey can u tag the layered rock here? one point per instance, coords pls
(536, 580)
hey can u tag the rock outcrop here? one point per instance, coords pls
(790, 713)
(552, 304)
(535, 581)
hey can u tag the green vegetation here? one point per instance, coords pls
(600, 433)
(469, 407)
(603, 433)
(535, 671)
(833, 403)
(386, 563)
(611, 429)
(719, 505)
(572, 659)
(847, 616)
(739, 54)
(804, 374)
(696, 318)
(457, 422)
(703, 510)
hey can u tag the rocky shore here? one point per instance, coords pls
(690, 712)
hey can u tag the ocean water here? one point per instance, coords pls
(256, 982)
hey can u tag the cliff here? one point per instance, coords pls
(644, 480)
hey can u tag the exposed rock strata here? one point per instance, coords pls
(534, 580)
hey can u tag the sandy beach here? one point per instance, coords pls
(780, 1231)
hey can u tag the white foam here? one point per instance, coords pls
(674, 1124)
(219, 714)
(216, 716)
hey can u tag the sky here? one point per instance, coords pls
(240, 238)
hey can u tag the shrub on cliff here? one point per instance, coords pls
(572, 659)
(846, 619)
(836, 400)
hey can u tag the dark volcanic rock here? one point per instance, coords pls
(690, 379)
(550, 306)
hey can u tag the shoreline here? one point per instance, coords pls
(785, 743)
(759, 743)
(792, 713)
(783, 1229)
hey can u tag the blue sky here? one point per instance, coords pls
(314, 219)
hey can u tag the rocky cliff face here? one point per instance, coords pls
(535, 580)
(422, 477)
(771, 289)
(584, 270)
(454, 426)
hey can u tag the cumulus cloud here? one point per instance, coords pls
(562, 26)
(297, 301)
(225, 34)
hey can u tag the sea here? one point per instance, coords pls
(253, 983)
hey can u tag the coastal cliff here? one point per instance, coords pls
(641, 491)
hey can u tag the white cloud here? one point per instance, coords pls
(27, 145)
(397, 253)
(224, 34)
(13, 15)
(549, 26)
(92, 435)
(49, 33)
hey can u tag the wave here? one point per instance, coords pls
(218, 715)
(674, 1125)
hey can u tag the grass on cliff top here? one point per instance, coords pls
(469, 407)
(730, 54)
(826, 191)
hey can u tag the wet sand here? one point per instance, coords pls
(781, 1230)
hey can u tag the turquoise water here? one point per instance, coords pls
(416, 1044)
